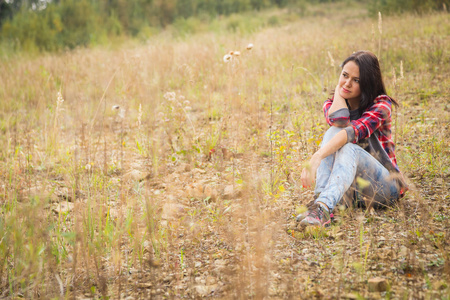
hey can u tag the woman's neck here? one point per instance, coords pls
(353, 104)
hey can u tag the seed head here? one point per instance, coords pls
(394, 77)
(227, 58)
(331, 59)
(60, 98)
(401, 69)
(237, 53)
(380, 23)
(250, 46)
(115, 107)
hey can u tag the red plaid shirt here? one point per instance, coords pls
(375, 118)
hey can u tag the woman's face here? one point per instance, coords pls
(349, 82)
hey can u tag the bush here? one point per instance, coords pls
(400, 6)
(68, 24)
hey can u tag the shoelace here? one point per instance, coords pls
(317, 213)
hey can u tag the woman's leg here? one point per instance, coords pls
(325, 167)
(373, 180)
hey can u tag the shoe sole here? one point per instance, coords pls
(326, 224)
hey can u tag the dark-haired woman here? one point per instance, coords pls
(356, 161)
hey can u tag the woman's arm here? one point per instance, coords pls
(379, 114)
(336, 111)
(309, 171)
(338, 102)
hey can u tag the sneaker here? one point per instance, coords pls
(316, 215)
(308, 205)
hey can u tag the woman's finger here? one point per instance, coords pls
(305, 178)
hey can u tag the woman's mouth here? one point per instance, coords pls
(345, 90)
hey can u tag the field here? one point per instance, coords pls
(159, 170)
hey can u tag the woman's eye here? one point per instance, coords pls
(357, 80)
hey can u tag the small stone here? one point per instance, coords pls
(378, 284)
(220, 263)
(230, 192)
(196, 191)
(184, 167)
(63, 207)
(210, 192)
(136, 175)
(172, 210)
(144, 285)
(205, 290)
(210, 280)
(404, 251)
(199, 171)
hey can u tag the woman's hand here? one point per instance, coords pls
(338, 101)
(309, 171)
(336, 92)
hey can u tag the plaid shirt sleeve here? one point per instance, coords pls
(378, 116)
(338, 118)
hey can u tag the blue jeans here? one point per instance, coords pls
(353, 174)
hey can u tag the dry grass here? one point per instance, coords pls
(126, 190)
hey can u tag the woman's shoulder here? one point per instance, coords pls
(382, 104)
(382, 98)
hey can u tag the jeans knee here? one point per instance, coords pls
(330, 133)
(349, 148)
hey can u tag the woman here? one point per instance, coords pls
(356, 161)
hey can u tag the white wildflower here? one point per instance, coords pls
(227, 58)
(250, 46)
(139, 116)
(170, 96)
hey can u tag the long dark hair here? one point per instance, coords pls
(370, 80)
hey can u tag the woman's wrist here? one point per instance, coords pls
(317, 156)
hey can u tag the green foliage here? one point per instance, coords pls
(33, 26)
(40, 26)
(67, 24)
(401, 6)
